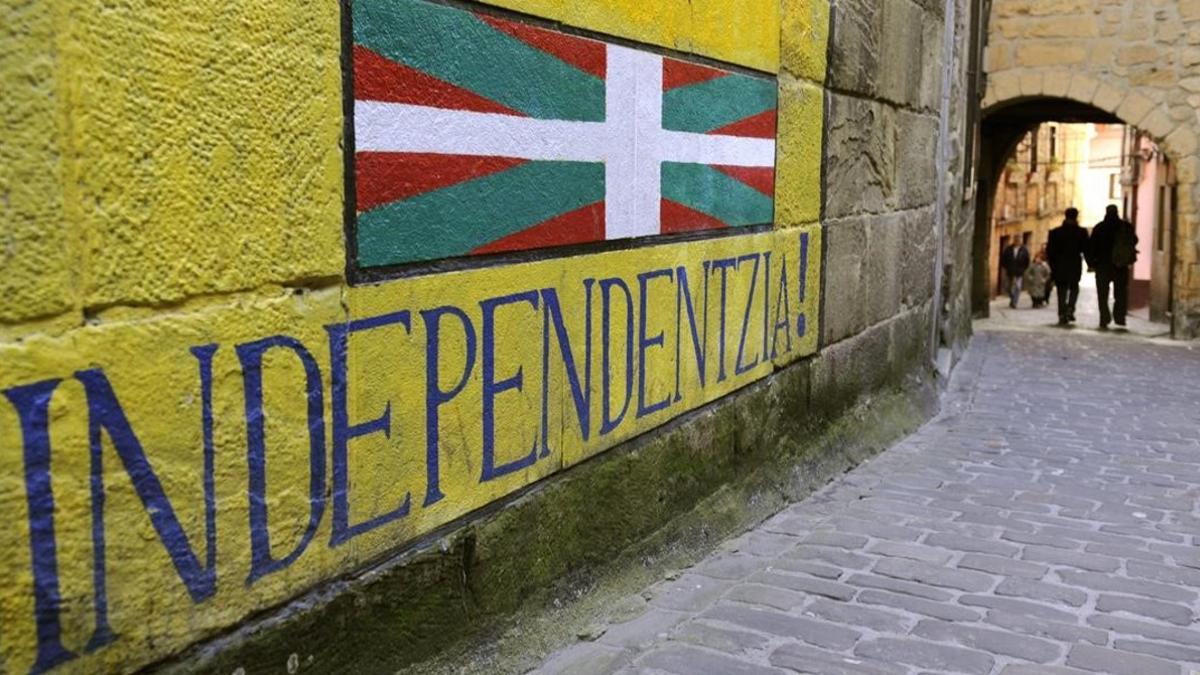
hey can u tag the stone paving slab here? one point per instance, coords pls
(1047, 522)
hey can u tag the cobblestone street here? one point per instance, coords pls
(1047, 522)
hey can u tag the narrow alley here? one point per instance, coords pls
(1045, 522)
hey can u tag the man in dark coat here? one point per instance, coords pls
(1112, 250)
(1014, 260)
(1065, 250)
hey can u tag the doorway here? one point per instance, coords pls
(1039, 156)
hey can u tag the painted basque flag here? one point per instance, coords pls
(478, 135)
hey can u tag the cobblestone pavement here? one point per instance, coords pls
(1047, 522)
(1087, 310)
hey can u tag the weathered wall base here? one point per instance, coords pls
(553, 554)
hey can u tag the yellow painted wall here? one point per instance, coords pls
(745, 32)
(173, 179)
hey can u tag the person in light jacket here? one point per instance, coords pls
(1037, 279)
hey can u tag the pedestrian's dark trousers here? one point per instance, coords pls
(1118, 278)
(1068, 294)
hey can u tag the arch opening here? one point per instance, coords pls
(1039, 154)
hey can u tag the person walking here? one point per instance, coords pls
(1112, 250)
(1014, 260)
(1049, 286)
(1037, 278)
(1065, 250)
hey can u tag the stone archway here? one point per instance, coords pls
(1042, 67)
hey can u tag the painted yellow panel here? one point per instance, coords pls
(162, 479)
(799, 152)
(744, 32)
(35, 243)
(204, 145)
(804, 38)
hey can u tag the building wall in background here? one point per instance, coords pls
(1041, 180)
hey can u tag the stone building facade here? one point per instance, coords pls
(1039, 182)
(1109, 61)
(285, 384)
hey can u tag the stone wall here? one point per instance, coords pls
(1133, 59)
(239, 420)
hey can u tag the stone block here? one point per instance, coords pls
(894, 585)
(799, 152)
(38, 245)
(1050, 53)
(860, 157)
(722, 639)
(1189, 10)
(1180, 615)
(836, 540)
(1108, 97)
(689, 593)
(844, 371)
(1018, 607)
(1182, 141)
(917, 260)
(925, 573)
(916, 159)
(830, 555)
(805, 584)
(902, 61)
(956, 542)
(688, 659)
(642, 631)
(895, 549)
(1062, 632)
(997, 57)
(1002, 566)
(804, 38)
(1084, 561)
(932, 46)
(909, 341)
(1043, 592)
(993, 641)
(1158, 124)
(1031, 83)
(845, 261)
(856, 38)
(1156, 631)
(1138, 53)
(1062, 26)
(1056, 83)
(1150, 589)
(1002, 87)
(1134, 108)
(857, 615)
(926, 655)
(1091, 657)
(804, 659)
(881, 289)
(908, 603)
(1083, 87)
(1169, 652)
(766, 596)
(819, 633)
(185, 181)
